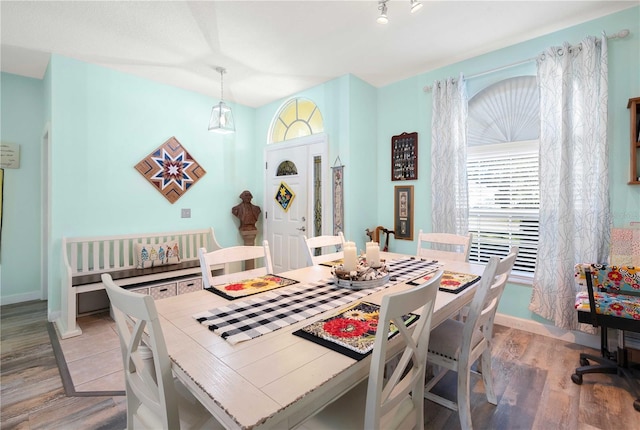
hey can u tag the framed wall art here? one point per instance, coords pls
(404, 157)
(403, 212)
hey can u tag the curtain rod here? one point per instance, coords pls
(619, 35)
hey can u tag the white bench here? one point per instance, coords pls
(86, 258)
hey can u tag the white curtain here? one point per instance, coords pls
(574, 179)
(450, 206)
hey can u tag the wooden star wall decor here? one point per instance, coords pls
(171, 169)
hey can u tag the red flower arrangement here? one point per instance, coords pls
(450, 282)
(344, 327)
(234, 287)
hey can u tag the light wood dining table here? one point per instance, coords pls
(277, 380)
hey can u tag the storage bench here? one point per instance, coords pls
(169, 262)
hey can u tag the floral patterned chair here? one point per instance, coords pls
(611, 300)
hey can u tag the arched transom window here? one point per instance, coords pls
(297, 118)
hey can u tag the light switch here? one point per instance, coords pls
(186, 213)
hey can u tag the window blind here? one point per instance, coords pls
(504, 201)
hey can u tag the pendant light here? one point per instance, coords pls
(221, 117)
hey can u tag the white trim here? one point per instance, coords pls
(45, 210)
(54, 316)
(585, 339)
(521, 278)
(19, 298)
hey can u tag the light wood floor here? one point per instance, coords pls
(532, 381)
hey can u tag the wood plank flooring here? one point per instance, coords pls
(31, 391)
(531, 377)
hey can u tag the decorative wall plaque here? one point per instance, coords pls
(284, 196)
(171, 169)
(9, 155)
(404, 157)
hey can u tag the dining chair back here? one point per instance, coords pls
(233, 258)
(153, 399)
(456, 345)
(396, 401)
(445, 246)
(321, 249)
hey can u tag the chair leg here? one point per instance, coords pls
(487, 376)
(605, 365)
(132, 407)
(464, 406)
(585, 358)
(631, 374)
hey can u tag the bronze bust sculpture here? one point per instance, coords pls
(246, 212)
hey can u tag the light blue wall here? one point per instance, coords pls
(362, 171)
(22, 122)
(103, 122)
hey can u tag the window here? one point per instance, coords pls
(286, 168)
(297, 118)
(504, 199)
(502, 172)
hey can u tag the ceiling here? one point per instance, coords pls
(273, 49)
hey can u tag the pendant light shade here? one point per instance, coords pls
(221, 116)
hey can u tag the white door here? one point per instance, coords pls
(285, 226)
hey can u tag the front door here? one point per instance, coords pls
(289, 172)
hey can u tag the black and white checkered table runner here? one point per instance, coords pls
(253, 317)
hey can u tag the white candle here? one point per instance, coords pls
(373, 253)
(350, 257)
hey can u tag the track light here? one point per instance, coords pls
(382, 7)
(415, 5)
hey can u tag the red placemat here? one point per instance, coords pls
(352, 331)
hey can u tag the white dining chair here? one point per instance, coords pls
(155, 400)
(456, 345)
(397, 401)
(232, 259)
(445, 246)
(328, 248)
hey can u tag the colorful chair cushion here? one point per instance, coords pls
(616, 290)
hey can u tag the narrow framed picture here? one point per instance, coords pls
(403, 212)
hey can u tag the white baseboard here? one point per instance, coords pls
(54, 316)
(19, 298)
(585, 339)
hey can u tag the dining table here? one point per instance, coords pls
(277, 380)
